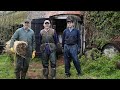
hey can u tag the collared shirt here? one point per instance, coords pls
(46, 30)
(71, 29)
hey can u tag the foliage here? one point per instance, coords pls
(9, 23)
(101, 68)
(6, 67)
(105, 25)
(12, 18)
(93, 54)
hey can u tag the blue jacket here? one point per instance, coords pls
(71, 38)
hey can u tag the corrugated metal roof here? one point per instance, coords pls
(47, 14)
(52, 13)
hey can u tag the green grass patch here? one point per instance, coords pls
(100, 68)
(6, 68)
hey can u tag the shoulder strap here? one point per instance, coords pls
(41, 31)
(53, 30)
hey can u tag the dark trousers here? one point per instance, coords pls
(71, 52)
(46, 57)
(21, 68)
(45, 62)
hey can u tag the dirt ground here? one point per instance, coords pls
(35, 69)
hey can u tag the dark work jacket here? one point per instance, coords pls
(71, 38)
(49, 37)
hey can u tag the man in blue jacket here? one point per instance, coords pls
(71, 45)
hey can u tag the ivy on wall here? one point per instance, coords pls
(103, 24)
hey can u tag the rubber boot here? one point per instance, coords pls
(23, 75)
(17, 75)
(45, 73)
(53, 73)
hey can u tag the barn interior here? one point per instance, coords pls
(59, 25)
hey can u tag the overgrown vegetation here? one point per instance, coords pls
(93, 54)
(6, 67)
(103, 25)
(9, 23)
(12, 18)
(100, 68)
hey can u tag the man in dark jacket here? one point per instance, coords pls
(48, 45)
(23, 34)
(71, 46)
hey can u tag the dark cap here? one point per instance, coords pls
(69, 19)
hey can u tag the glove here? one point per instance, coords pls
(12, 50)
(33, 54)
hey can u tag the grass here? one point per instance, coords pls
(100, 68)
(6, 68)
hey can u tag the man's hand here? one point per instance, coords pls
(12, 50)
(33, 54)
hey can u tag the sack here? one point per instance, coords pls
(20, 48)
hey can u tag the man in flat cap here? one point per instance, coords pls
(23, 34)
(71, 46)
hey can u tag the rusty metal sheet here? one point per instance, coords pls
(116, 41)
(52, 13)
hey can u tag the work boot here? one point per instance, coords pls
(17, 75)
(68, 75)
(53, 73)
(45, 73)
(23, 75)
